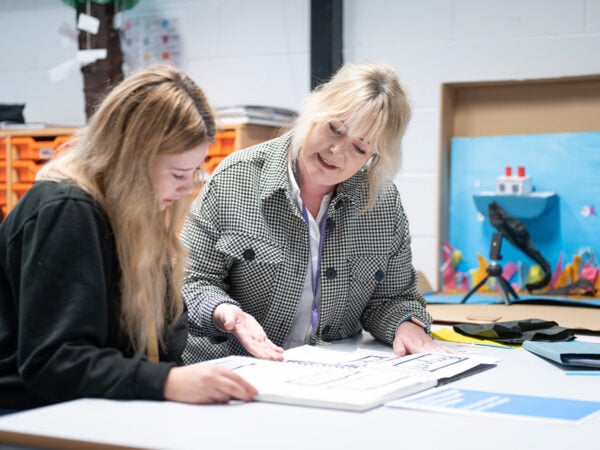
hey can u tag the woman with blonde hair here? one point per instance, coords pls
(303, 239)
(90, 261)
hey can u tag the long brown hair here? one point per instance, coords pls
(155, 111)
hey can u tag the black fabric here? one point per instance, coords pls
(517, 331)
(12, 113)
(60, 334)
(579, 287)
(516, 233)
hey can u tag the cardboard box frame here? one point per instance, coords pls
(511, 107)
(495, 108)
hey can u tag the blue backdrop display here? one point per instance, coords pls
(563, 167)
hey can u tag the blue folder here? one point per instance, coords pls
(568, 353)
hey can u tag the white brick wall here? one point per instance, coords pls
(257, 51)
(431, 42)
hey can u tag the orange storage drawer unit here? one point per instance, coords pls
(20, 188)
(25, 151)
(211, 163)
(18, 191)
(23, 171)
(26, 147)
(224, 144)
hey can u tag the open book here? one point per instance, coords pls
(358, 380)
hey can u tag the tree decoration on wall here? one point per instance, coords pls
(99, 43)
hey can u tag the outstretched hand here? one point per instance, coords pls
(247, 330)
(411, 338)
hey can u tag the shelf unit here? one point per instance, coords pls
(22, 152)
(528, 207)
(234, 137)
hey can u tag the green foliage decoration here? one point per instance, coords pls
(120, 5)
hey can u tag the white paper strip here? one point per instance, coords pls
(88, 23)
(86, 57)
(62, 71)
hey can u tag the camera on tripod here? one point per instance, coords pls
(494, 269)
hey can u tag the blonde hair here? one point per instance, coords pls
(370, 100)
(155, 111)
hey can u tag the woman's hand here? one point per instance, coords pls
(411, 338)
(206, 383)
(247, 330)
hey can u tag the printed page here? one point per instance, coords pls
(353, 388)
(520, 407)
(441, 366)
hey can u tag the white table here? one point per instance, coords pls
(164, 425)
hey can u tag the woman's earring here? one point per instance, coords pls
(373, 160)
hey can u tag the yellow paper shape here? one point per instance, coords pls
(449, 335)
(535, 274)
(480, 273)
(575, 268)
(563, 279)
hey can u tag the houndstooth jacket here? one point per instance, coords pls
(248, 246)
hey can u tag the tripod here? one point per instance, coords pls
(494, 269)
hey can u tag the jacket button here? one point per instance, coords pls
(326, 329)
(338, 205)
(379, 275)
(248, 254)
(330, 224)
(330, 273)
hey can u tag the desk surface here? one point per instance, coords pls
(256, 425)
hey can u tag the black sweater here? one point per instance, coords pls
(60, 337)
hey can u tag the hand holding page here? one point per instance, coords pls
(357, 380)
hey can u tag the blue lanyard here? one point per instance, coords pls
(315, 278)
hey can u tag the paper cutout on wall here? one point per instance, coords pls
(566, 164)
